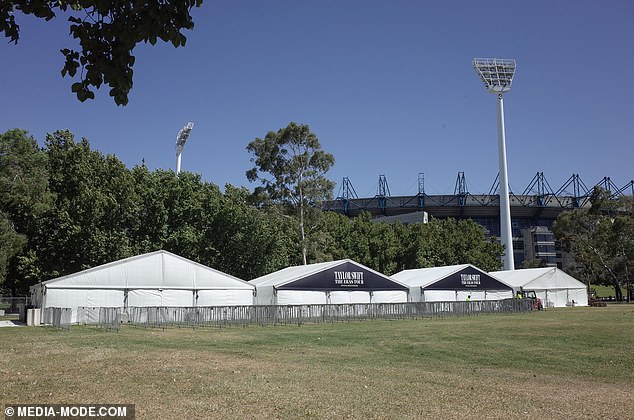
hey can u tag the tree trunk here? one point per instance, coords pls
(618, 294)
(301, 228)
(613, 278)
(301, 219)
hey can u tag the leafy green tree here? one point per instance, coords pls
(330, 236)
(473, 246)
(87, 223)
(450, 242)
(249, 242)
(291, 166)
(12, 244)
(24, 197)
(149, 230)
(372, 244)
(357, 239)
(107, 33)
(601, 239)
(389, 248)
(192, 205)
(384, 248)
(190, 217)
(174, 212)
(67, 207)
(622, 236)
(24, 193)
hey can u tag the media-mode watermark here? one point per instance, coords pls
(69, 411)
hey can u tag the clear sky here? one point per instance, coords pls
(387, 86)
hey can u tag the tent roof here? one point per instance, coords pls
(155, 270)
(421, 277)
(539, 278)
(449, 277)
(290, 275)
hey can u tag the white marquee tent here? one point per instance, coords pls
(452, 283)
(334, 282)
(553, 286)
(158, 278)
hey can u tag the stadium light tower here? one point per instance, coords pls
(181, 139)
(497, 75)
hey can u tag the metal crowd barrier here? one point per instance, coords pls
(104, 317)
(110, 318)
(57, 317)
(222, 316)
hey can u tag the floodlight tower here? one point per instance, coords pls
(497, 75)
(181, 139)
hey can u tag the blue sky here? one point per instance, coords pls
(387, 86)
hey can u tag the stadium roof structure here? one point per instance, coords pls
(537, 200)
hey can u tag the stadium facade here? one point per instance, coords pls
(532, 212)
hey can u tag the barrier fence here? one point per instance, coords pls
(14, 305)
(110, 318)
(57, 317)
(223, 316)
(104, 317)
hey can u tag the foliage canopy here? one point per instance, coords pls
(107, 33)
(601, 239)
(67, 207)
(291, 167)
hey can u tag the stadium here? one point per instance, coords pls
(532, 212)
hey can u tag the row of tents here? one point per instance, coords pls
(163, 279)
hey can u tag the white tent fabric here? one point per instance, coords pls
(228, 297)
(417, 294)
(298, 297)
(158, 278)
(62, 298)
(389, 296)
(316, 284)
(339, 297)
(428, 284)
(553, 286)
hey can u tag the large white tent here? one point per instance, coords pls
(553, 286)
(452, 283)
(158, 278)
(334, 282)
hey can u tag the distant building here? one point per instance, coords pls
(538, 243)
(533, 212)
(406, 219)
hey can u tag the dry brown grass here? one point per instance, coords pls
(483, 367)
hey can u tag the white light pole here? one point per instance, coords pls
(181, 139)
(497, 75)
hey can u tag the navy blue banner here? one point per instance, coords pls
(469, 278)
(345, 276)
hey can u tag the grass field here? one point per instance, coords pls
(606, 291)
(567, 363)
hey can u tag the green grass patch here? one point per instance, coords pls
(606, 291)
(572, 361)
